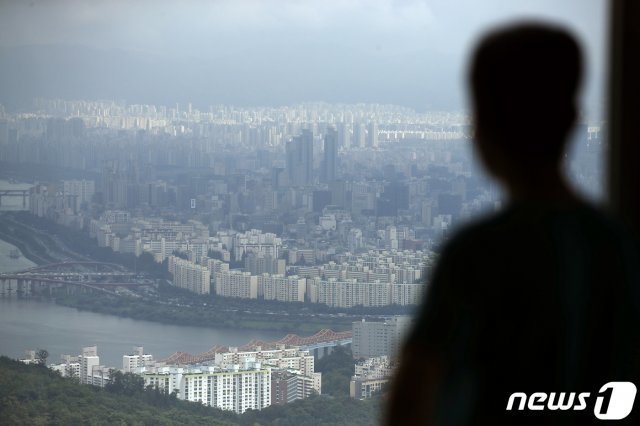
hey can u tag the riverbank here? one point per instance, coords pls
(216, 314)
(30, 324)
(41, 242)
(37, 245)
(168, 305)
(12, 264)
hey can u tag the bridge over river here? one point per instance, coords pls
(70, 276)
(321, 343)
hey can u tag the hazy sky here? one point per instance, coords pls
(251, 52)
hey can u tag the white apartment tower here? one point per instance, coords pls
(88, 360)
(236, 389)
(236, 284)
(190, 276)
(284, 289)
(136, 359)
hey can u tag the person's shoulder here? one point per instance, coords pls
(481, 231)
(473, 241)
(526, 222)
(598, 222)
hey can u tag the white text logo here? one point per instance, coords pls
(613, 402)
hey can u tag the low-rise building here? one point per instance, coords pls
(370, 377)
(288, 385)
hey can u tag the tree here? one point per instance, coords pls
(180, 254)
(41, 356)
(125, 383)
(302, 261)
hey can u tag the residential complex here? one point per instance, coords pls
(237, 388)
(232, 379)
(85, 367)
(374, 278)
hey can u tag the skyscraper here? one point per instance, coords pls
(359, 135)
(329, 163)
(300, 159)
(344, 135)
(372, 135)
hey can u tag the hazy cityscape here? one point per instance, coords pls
(343, 206)
(235, 256)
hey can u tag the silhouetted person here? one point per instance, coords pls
(541, 297)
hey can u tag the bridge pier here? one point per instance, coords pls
(24, 288)
(5, 288)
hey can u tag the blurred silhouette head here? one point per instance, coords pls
(524, 81)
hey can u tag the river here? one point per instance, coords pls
(28, 324)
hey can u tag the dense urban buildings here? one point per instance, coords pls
(319, 192)
(232, 379)
(297, 206)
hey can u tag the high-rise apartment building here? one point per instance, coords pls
(78, 192)
(284, 289)
(300, 159)
(359, 135)
(190, 276)
(349, 292)
(344, 136)
(255, 241)
(372, 135)
(236, 284)
(330, 159)
(136, 359)
(88, 361)
(238, 388)
(373, 339)
(258, 263)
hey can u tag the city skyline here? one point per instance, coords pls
(257, 192)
